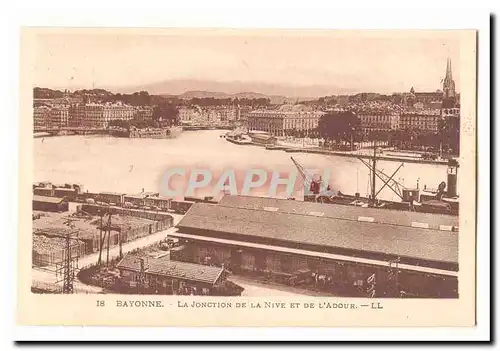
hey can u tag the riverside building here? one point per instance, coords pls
(97, 115)
(286, 118)
(425, 120)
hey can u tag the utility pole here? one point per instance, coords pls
(109, 232)
(68, 272)
(142, 277)
(373, 172)
(99, 260)
(69, 265)
(120, 243)
(352, 137)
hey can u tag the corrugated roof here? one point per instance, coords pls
(407, 241)
(50, 199)
(176, 269)
(395, 217)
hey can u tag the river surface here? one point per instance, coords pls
(103, 163)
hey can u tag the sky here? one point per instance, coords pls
(382, 62)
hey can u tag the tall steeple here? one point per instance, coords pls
(448, 82)
(449, 76)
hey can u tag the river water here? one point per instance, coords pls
(103, 163)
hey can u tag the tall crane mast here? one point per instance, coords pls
(387, 180)
(314, 184)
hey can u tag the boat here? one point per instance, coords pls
(238, 140)
(444, 200)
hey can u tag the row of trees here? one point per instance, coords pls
(166, 113)
(45, 93)
(339, 127)
(344, 128)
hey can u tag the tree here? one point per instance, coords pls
(339, 127)
(166, 112)
(45, 93)
(449, 133)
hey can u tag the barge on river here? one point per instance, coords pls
(443, 200)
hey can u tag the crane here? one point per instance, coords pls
(309, 179)
(388, 181)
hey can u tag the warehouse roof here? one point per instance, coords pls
(381, 238)
(175, 269)
(48, 199)
(406, 218)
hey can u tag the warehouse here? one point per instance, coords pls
(163, 276)
(289, 239)
(43, 191)
(403, 218)
(50, 204)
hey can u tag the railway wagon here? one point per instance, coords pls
(111, 198)
(163, 203)
(68, 193)
(136, 201)
(180, 206)
(87, 196)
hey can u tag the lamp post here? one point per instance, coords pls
(352, 138)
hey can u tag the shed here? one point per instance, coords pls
(50, 204)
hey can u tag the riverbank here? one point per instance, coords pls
(351, 154)
(356, 154)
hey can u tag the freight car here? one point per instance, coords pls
(159, 202)
(69, 193)
(111, 198)
(87, 196)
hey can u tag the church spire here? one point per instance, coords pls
(449, 76)
(448, 83)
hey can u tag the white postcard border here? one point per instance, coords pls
(454, 21)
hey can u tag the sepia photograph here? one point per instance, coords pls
(238, 164)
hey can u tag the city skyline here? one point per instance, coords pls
(318, 62)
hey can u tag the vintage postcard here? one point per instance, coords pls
(196, 177)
